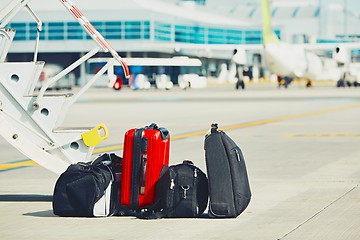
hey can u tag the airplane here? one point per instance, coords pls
(287, 60)
(290, 61)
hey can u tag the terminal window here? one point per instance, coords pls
(161, 30)
(56, 30)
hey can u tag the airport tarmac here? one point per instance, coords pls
(301, 148)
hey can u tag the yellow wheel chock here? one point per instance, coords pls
(95, 135)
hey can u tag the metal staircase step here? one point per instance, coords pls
(72, 129)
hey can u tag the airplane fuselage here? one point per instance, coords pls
(295, 61)
(291, 60)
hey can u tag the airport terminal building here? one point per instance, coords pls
(136, 29)
(204, 29)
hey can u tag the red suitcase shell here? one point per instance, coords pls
(146, 151)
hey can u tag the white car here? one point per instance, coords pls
(51, 70)
(163, 82)
(140, 82)
(192, 80)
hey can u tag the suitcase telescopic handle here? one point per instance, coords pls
(143, 173)
(144, 149)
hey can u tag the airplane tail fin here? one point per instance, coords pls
(268, 35)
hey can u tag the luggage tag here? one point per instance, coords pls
(95, 135)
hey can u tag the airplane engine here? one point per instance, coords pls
(341, 55)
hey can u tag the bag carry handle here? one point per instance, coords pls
(188, 162)
(163, 131)
(214, 127)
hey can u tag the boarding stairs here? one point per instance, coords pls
(6, 37)
(30, 119)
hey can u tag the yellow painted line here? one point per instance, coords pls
(173, 138)
(284, 118)
(244, 125)
(4, 167)
(322, 135)
(108, 149)
(189, 135)
(9, 166)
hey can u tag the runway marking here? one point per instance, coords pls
(17, 165)
(108, 149)
(322, 135)
(28, 163)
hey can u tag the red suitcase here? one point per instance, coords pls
(146, 151)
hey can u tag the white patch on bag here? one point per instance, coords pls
(102, 206)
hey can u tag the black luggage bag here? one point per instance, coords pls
(89, 189)
(229, 188)
(181, 192)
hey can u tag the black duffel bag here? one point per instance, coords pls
(86, 189)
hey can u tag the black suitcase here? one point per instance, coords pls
(229, 188)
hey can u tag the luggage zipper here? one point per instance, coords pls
(237, 154)
(172, 184)
(171, 203)
(185, 188)
(196, 206)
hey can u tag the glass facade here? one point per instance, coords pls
(74, 31)
(140, 30)
(162, 31)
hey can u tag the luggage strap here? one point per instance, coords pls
(151, 213)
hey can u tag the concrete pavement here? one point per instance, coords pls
(301, 148)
